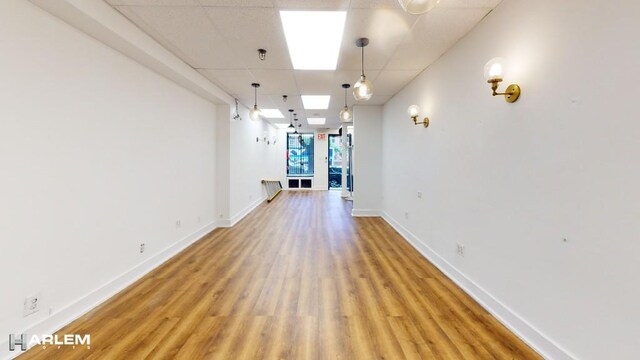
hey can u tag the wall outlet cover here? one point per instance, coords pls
(32, 304)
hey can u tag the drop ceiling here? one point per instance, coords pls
(220, 38)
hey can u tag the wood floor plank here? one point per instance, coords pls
(298, 278)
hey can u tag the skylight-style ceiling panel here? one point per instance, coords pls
(313, 38)
(316, 102)
(312, 5)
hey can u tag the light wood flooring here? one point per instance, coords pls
(298, 278)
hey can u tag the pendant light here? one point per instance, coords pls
(363, 89)
(255, 114)
(290, 120)
(345, 113)
(417, 7)
(296, 125)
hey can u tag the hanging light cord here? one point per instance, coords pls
(255, 96)
(363, 61)
(345, 97)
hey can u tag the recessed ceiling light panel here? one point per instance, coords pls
(314, 38)
(316, 121)
(316, 102)
(272, 114)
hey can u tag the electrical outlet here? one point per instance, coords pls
(141, 248)
(32, 304)
(199, 220)
(419, 194)
(459, 249)
(406, 215)
(178, 224)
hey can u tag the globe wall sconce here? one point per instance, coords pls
(494, 73)
(414, 112)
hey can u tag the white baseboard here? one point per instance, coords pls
(83, 305)
(242, 213)
(519, 326)
(365, 213)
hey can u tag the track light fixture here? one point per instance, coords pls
(255, 114)
(363, 88)
(345, 113)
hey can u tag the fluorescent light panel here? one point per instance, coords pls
(316, 121)
(272, 114)
(316, 102)
(314, 38)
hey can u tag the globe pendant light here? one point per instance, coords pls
(255, 114)
(363, 88)
(417, 7)
(345, 113)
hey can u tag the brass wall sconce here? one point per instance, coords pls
(494, 73)
(414, 112)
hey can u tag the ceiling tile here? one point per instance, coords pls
(248, 29)
(376, 100)
(469, 3)
(221, 38)
(327, 82)
(385, 28)
(375, 4)
(233, 82)
(276, 82)
(186, 31)
(237, 3)
(293, 102)
(390, 82)
(155, 2)
(433, 34)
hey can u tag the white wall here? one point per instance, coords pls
(250, 163)
(511, 181)
(367, 152)
(97, 155)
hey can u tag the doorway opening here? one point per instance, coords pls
(336, 157)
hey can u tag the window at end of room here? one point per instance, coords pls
(299, 155)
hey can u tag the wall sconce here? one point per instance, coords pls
(414, 112)
(494, 73)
